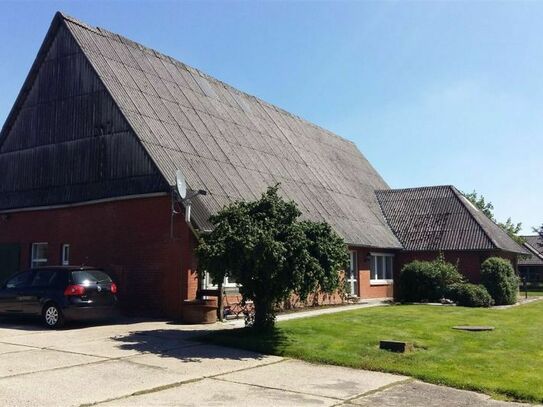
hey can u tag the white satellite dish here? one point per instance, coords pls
(181, 185)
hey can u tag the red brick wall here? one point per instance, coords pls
(129, 238)
(365, 288)
(132, 240)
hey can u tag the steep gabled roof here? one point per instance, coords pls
(227, 142)
(534, 245)
(441, 218)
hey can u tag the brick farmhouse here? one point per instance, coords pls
(530, 267)
(89, 152)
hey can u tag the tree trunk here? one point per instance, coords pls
(220, 303)
(264, 316)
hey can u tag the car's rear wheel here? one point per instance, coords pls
(52, 316)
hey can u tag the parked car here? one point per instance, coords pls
(59, 294)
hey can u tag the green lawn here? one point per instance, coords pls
(506, 363)
(533, 292)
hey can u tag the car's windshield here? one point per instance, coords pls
(86, 277)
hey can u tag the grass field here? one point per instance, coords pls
(505, 363)
(533, 292)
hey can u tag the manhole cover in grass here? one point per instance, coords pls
(473, 328)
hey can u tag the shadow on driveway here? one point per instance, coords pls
(184, 345)
(35, 324)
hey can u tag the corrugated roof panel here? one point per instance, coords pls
(140, 78)
(140, 101)
(160, 87)
(180, 139)
(159, 108)
(160, 133)
(224, 126)
(141, 58)
(178, 95)
(123, 53)
(198, 143)
(438, 218)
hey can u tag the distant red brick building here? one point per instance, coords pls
(530, 267)
(88, 157)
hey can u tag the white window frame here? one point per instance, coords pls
(373, 268)
(352, 273)
(38, 261)
(208, 285)
(65, 254)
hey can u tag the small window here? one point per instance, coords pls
(39, 255)
(381, 268)
(44, 278)
(353, 261)
(229, 282)
(19, 281)
(65, 255)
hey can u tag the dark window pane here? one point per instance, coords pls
(20, 280)
(89, 277)
(60, 280)
(389, 268)
(380, 268)
(43, 278)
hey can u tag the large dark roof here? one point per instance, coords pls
(534, 244)
(227, 142)
(441, 218)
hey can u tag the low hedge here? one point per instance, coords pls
(422, 281)
(469, 295)
(499, 278)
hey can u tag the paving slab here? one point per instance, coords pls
(418, 394)
(201, 360)
(9, 328)
(86, 384)
(17, 363)
(319, 380)
(209, 392)
(31, 334)
(7, 348)
(122, 346)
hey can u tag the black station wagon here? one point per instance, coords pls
(59, 294)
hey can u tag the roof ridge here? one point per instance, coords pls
(464, 202)
(534, 251)
(413, 188)
(385, 217)
(129, 42)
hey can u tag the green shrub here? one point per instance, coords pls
(499, 278)
(469, 295)
(427, 280)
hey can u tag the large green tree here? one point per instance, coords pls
(487, 208)
(271, 253)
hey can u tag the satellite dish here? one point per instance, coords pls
(181, 185)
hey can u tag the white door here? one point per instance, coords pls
(352, 274)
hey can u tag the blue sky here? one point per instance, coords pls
(431, 92)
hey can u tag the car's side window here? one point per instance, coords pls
(43, 278)
(20, 280)
(59, 280)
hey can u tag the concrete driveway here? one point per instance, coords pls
(134, 363)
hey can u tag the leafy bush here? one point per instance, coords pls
(427, 280)
(272, 253)
(469, 295)
(499, 278)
